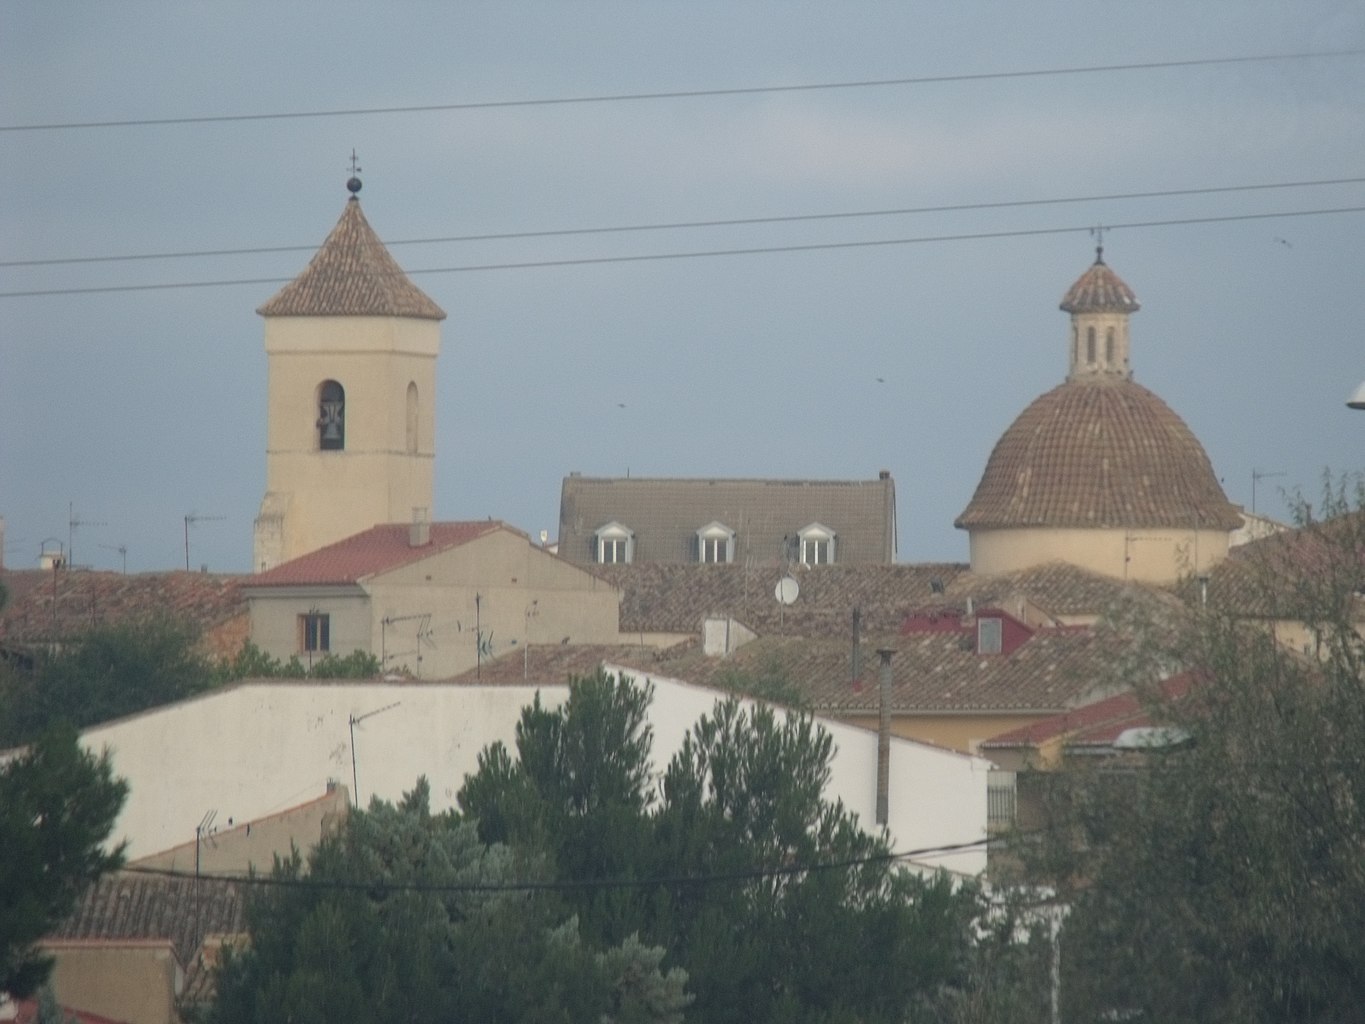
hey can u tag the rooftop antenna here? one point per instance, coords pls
(194, 517)
(354, 721)
(1258, 475)
(72, 522)
(122, 549)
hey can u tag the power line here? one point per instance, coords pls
(984, 76)
(731, 222)
(573, 885)
(752, 251)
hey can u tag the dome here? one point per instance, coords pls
(1100, 452)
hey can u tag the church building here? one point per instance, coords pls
(351, 345)
(1099, 472)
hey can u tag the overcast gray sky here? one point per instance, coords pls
(136, 408)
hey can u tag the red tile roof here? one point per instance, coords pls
(378, 549)
(27, 1013)
(1099, 723)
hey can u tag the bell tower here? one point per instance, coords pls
(351, 348)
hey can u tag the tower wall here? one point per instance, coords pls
(315, 496)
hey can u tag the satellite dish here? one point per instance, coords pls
(788, 590)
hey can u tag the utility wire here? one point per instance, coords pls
(571, 885)
(733, 222)
(985, 76)
(756, 250)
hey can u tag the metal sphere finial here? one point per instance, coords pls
(353, 183)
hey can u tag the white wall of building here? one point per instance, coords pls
(256, 748)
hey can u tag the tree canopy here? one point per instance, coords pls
(400, 917)
(1221, 878)
(775, 901)
(57, 807)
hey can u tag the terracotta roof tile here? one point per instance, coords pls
(675, 598)
(1100, 722)
(1099, 452)
(45, 605)
(1100, 290)
(126, 905)
(378, 549)
(352, 275)
(932, 672)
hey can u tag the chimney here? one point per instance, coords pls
(419, 533)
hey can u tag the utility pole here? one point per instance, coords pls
(884, 736)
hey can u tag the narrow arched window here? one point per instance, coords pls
(331, 416)
(1075, 344)
(1109, 346)
(1090, 344)
(412, 418)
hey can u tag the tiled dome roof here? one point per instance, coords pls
(1100, 290)
(1101, 452)
(352, 275)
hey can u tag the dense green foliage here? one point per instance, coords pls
(57, 807)
(111, 671)
(777, 925)
(407, 943)
(1222, 879)
(107, 672)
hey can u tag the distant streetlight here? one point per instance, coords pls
(1357, 399)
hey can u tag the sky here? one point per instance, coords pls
(129, 411)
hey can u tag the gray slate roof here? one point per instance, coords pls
(665, 515)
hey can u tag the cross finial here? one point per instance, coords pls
(353, 183)
(1097, 233)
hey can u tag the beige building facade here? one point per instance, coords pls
(351, 347)
(431, 607)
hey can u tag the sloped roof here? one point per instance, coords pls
(1100, 290)
(674, 598)
(931, 672)
(665, 514)
(1097, 723)
(1099, 452)
(44, 605)
(1291, 574)
(26, 1012)
(352, 275)
(130, 906)
(378, 549)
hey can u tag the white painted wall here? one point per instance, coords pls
(257, 748)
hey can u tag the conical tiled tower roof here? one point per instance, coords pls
(352, 275)
(1100, 290)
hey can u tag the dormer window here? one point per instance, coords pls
(715, 544)
(331, 416)
(816, 544)
(615, 544)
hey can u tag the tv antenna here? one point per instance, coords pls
(354, 721)
(194, 517)
(122, 549)
(72, 522)
(1258, 475)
